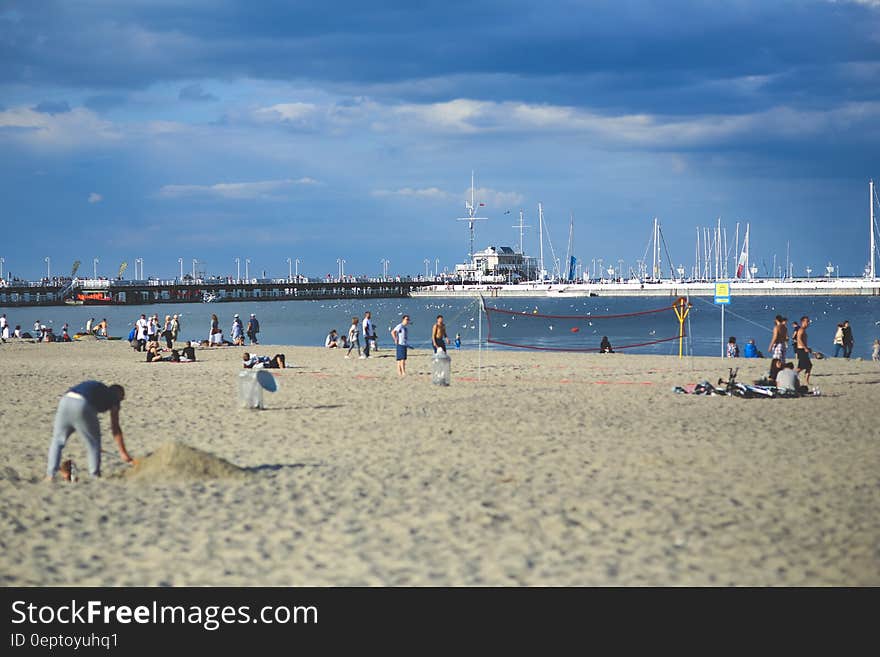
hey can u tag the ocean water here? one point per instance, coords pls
(308, 322)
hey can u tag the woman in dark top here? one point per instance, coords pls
(605, 347)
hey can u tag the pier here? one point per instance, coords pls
(112, 292)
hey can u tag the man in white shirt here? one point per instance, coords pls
(142, 326)
(368, 332)
(400, 334)
(4, 327)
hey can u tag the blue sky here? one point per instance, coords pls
(216, 129)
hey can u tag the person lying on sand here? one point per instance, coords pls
(78, 411)
(276, 362)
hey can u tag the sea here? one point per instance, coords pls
(635, 325)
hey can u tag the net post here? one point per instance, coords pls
(681, 307)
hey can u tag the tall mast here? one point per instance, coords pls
(521, 227)
(654, 263)
(568, 251)
(541, 238)
(871, 203)
(697, 257)
(471, 218)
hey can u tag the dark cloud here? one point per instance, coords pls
(623, 56)
(52, 107)
(194, 92)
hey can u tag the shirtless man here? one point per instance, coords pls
(779, 340)
(803, 351)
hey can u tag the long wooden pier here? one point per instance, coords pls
(123, 292)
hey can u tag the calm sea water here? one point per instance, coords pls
(308, 322)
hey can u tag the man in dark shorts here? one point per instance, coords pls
(803, 351)
(400, 334)
(78, 411)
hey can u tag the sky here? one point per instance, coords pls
(211, 130)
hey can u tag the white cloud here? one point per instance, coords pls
(428, 193)
(263, 190)
(490, 198)
(297, 113)
(79, 127)
(94, 197)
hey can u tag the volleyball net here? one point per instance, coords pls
(644, 329)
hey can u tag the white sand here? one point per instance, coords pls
(554, 469)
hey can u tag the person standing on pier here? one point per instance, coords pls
(253, 328)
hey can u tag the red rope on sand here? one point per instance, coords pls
(626, 346)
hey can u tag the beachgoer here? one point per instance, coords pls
(838, 340)
(153, 329)
(803, 350)
(875, 354)
(354, 337)
(750, 350)
(848, 340)
(17, 332)
(166, 332)
(330, 340)
(786, 379)
(458, 340)
(400, 334)
(367, 329)
(216, 335)
(775, 366)
(795, 327)
(4, 328)
(175, 327)
(78, 411)
(153, 355)
(189, 353)
(278, 361)
(38, 332)
(732, 348)
(438, 335)
(103, 328)
(142, 326)
(605, 346)
(779, 339)
(237, 331)
(89, 324)
(253, 328)
(65, 337)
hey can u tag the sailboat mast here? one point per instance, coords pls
(871, 227)
(541, 238)
(697, 256)
(568, 251)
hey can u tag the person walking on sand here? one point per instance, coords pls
(215, 337)
(779, 339)
(237, 331)
(367, 330)
(848, 340)
(354, 338)
(166, 332)
(400, 334)
(78, 411)
(803, 351)
(438, 335)
(253, 328)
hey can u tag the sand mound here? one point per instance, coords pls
(179, 462)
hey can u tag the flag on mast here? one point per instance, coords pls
(742, 266)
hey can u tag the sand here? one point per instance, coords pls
(554, 469)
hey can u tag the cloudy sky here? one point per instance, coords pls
(216, 129)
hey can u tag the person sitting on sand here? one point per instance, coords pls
(732, 348)
(331, 340)
(153, 355)
(605, 346)
(189, 353)
(78, 411)
(787, 380)
(276, 362)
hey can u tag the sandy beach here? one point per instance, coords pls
(540, 469)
